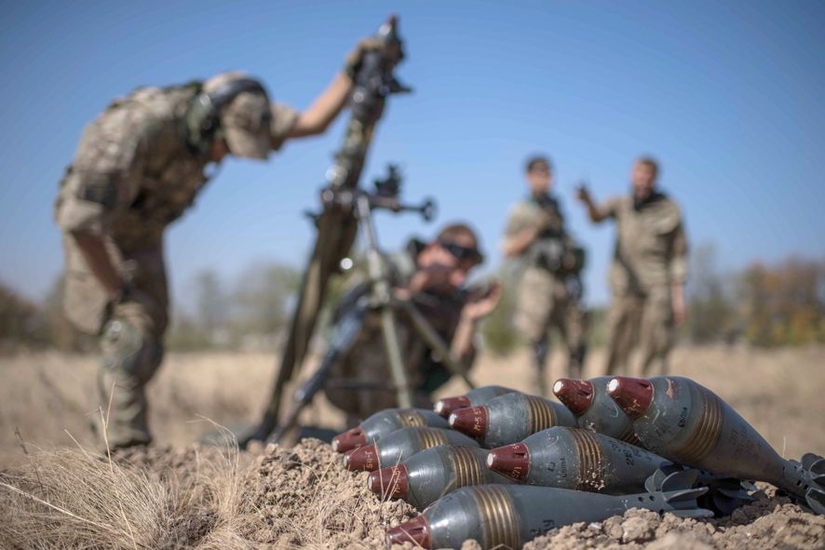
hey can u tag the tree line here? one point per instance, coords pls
(765, 305)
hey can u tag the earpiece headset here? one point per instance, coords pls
(205, 109)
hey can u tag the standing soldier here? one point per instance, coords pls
(648, 270)
(535, 232)
(138, 167)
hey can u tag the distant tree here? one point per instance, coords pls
(784, 304)
(185, 334)
(710, 307)
(21, 322)
(212, 305)
(262, 297)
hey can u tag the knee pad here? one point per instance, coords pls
(125, 347)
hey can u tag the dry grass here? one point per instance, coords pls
(66, 497)
(47, 395)
(69, 498)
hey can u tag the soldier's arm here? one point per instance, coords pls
(520, 233)
(478, 306)
(326, 107)
(462, 343)
(596, 213)
(93, 250)
(104, 181)
(517, 244)
(329, 104)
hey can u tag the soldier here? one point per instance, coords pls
(432, 275)
(535, 232)
(138, 167)
(647, 273)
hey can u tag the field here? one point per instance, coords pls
(57, 491)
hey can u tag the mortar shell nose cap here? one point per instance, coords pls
(633, 395)
(512, 461)
(470, 421)
(349, 440)
(576, 395)
(389, 482)
(416, 531)
(363, 459)
(444, 407)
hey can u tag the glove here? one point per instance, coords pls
(352, 63)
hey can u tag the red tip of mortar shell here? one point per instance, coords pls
(470, 421)
(389, 482)
(576, 395)
(444, 407)
(362, 459)
(416, 531)
(349, 440)
(512, 461)
(632, 395)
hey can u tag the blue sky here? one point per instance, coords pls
(728, 96)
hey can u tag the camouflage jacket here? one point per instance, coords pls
(553, 244)
(651, 245)
(133, 173)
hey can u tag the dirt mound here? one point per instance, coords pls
(185, 495)
(305, 497)
(207, 497)
(770, 522)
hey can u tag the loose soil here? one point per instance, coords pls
(301, 496)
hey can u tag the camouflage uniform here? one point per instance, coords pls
(578, 326)
(544, 300)
(133, 174)
(650, 257)
(366, 363)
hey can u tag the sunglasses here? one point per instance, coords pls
(460, 252)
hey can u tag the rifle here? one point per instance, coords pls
(337, 225)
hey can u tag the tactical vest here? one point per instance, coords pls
(172, 174)
(548, 249)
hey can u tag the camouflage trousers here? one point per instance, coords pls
(578, 324)
(644, 320)
(545, 304)
(131, 335)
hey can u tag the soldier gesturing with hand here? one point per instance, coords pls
(648, 271)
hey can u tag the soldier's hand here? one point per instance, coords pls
(583, 194)
(435, 276)
(482, 302)
(352, 63)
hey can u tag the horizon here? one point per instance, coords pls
(727, 97)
